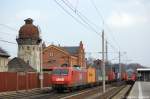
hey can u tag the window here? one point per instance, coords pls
(51, 54)
(56, 71)
(60, 71)
(64, 71)
(64, 65)
(52, 61)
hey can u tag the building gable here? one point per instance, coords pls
(19, 65)
(54, 56)
(57, 48)
(58, 55)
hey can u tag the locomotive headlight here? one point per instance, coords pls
(59, 79)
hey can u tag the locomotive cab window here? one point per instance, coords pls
(65, 71)
(60, 71)
(56, 71)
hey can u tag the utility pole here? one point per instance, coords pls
(107, 56)
(120, 64)
(106, 51)
(41, 62)
(103, 62)
(41, 66)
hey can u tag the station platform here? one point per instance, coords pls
(140, 90)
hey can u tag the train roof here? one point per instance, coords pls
(64, 67)
(143, 69)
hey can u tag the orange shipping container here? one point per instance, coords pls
(91, 76)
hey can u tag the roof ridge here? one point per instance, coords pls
(3, 52)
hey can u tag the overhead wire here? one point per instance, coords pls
(76, 19)
(77, 3)
(78, 13)
(99, 13)
(81, 16)
(5, 41)
(5, 33)
(11, 28)
(84, 19)
(97, 10)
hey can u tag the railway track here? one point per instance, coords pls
(111, 93)
(123, 93)
(88, 93)
(64, 95)
(24, 93)
(119, 92)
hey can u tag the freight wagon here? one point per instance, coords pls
(91, 76)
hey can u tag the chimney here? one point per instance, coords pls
(28, 21)
(81, 44)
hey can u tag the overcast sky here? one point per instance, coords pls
(128, 22)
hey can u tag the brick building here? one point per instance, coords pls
(57, 55)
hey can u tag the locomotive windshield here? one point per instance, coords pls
(60, 71)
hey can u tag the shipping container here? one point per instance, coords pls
(98, 75)
(79, 77)
(111, 76)
(124, 76)
(91, 75)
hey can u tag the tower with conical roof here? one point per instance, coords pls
(29, 44)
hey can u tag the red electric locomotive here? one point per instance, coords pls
(131, 77)
(68, 78)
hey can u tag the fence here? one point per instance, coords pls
(14, 81)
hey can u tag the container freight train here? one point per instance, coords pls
(69, 78)
(131, 78)
(128, 77)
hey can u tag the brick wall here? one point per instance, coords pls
(54, 57)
